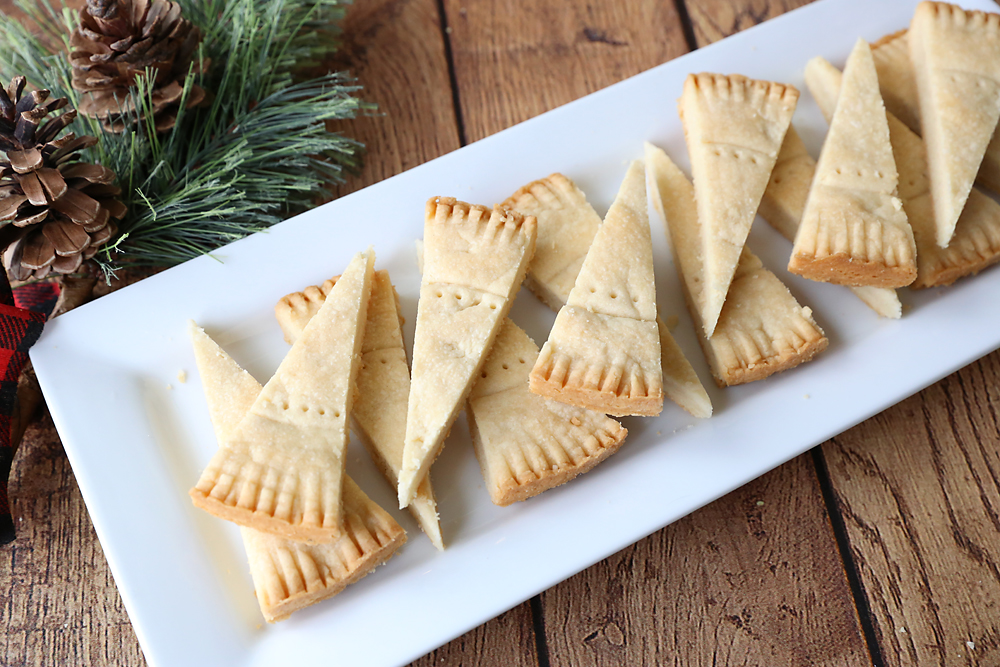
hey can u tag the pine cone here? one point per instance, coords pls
(61, 207)
(117, 41)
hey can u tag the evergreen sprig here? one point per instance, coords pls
(257, 153)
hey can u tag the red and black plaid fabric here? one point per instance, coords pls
(19, 329)
(39, 297)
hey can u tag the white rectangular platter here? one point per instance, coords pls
(137, 437)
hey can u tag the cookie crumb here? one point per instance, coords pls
(182, 376)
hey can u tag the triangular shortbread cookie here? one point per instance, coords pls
(899, 91)
(734, 127)
(379, 410)
(974, 247)
(956, 61)
(785, 201)
(281, 469)
(473, 263)
(976, 242)
(753, 343)
(680, 383)
(762, 328)
(527, 444)
(229, 390)
(785, 198)
(290, 575)
(603, 352)
(567, 225)
(854, 230)
(896, 80)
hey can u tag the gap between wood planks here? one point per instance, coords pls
(686, 25)
(844, 547)
(455, 99)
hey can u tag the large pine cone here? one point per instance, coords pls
(117, 41)
(55, 210)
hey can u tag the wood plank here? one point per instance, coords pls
(505, 641)
(752, 579)
(713, 20)
(396, 50)
(514, 59)
(744, 583)
(919, 486)
(61, 606)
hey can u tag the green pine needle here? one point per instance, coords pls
(257, 153)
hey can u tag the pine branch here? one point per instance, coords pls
(257, 153)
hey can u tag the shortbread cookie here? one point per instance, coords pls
(290, 575)
(474, 262)
(281, 469)
(785, 200)
(956, 62)
(603, 352)
(680, 383)
(776, 334)
(762, 328)
(230, 391)
(567, 225)
(974, 247)
(976, 242)
(899, 90)
(896, 80)
(601, 362)
(527, 444)
(734, 127)
(854, 230)
(383, 384)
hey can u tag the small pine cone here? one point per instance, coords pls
(21, 113)
(55, 210)
(117, 41)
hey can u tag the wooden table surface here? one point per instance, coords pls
(880, 547)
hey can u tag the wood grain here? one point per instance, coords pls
(506, 641)
(396, 50)
(60, 605)
(514, 59)
(712, 20)
(752, 579)
(919, 488)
